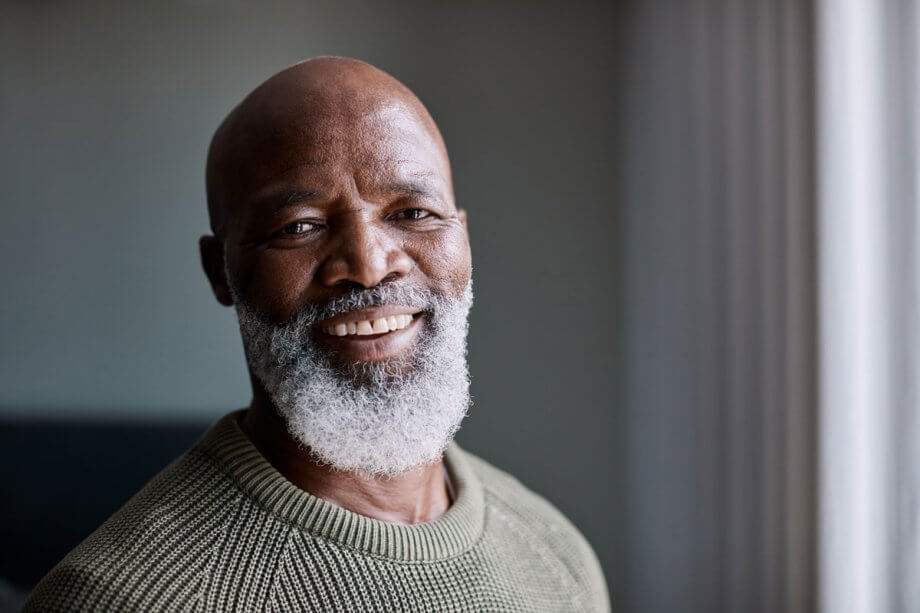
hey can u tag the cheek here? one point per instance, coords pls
(444, 258)
(277, 281)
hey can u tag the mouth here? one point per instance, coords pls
(371, 334)
(368, 327)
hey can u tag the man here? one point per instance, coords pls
(337, 240)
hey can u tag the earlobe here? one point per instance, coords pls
(212, 260)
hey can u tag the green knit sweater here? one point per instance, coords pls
(220, 529)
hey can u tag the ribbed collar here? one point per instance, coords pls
(449, 535)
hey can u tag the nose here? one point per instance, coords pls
(363, 252)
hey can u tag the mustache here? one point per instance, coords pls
(392, 293)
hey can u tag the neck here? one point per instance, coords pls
(415, 496)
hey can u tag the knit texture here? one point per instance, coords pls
(220, 529)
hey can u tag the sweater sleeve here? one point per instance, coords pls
(71, 587)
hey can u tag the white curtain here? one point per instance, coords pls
(868, 144)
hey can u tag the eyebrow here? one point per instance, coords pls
(407, 187)
(301, 195)
(411, 188)
(283, 199)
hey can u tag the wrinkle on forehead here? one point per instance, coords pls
(307, 114)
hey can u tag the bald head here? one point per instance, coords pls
(319, 111)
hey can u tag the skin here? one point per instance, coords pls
(332, 175)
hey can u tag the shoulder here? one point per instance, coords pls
(513, 497)
(525, 510)
(151, 551)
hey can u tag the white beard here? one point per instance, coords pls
(380, 418)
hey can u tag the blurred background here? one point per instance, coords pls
(693, 229)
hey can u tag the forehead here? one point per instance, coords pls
(332, 145)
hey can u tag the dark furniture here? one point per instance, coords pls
(61, 479)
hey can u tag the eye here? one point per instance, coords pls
(413, 214)
(297, 228)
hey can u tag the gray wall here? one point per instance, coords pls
(106, 110)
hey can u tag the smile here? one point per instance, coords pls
(371, 334)
(366, 327)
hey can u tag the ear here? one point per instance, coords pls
(212, 260)
(461, 214)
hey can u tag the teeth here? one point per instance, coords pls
(363, 328)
